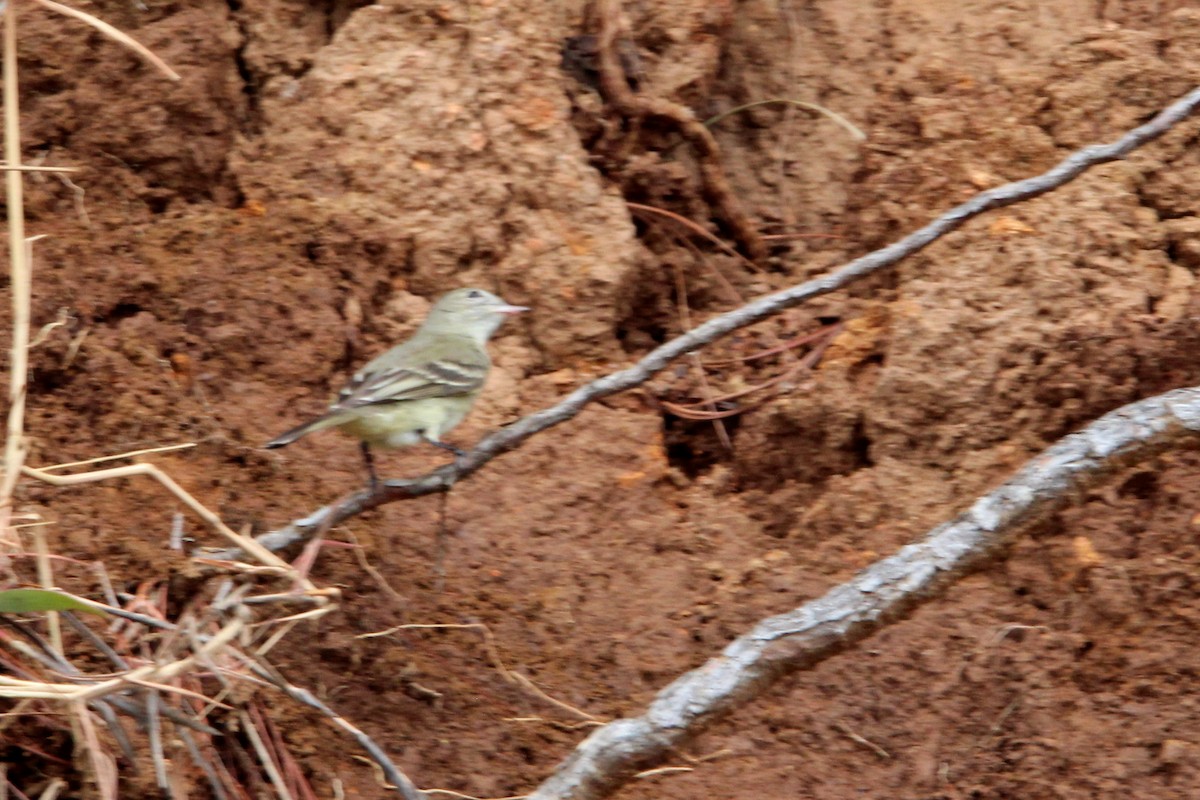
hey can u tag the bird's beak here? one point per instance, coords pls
(510, 309)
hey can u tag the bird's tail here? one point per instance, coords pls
(318, 424)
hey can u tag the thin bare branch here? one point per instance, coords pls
(440, 480)
(879, 595)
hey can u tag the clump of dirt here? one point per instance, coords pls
(239, 242)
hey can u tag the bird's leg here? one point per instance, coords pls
(369, 459)
(458, 451)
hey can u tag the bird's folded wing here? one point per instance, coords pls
(436, 378)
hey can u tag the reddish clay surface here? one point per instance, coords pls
(245, 238)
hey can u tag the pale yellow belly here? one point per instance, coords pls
(405, 424)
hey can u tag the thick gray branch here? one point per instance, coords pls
(512, 436)
(878, 595)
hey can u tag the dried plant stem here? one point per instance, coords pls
(14, 451)
(28, 168)
(168, 448)
(156, 674)
(104, 767)
(245, 542)
(264, 756)
(46, 579)
(20, 254)
(116, 35)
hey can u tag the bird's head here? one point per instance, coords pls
(470, 312)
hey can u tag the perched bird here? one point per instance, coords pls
(421, 388)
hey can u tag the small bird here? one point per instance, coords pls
(420, 388)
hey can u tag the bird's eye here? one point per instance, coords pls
(474, 294)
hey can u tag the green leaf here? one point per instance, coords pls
(23, 601)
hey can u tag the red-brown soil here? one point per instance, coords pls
(322, 170)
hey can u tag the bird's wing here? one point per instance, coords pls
(414, 378)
